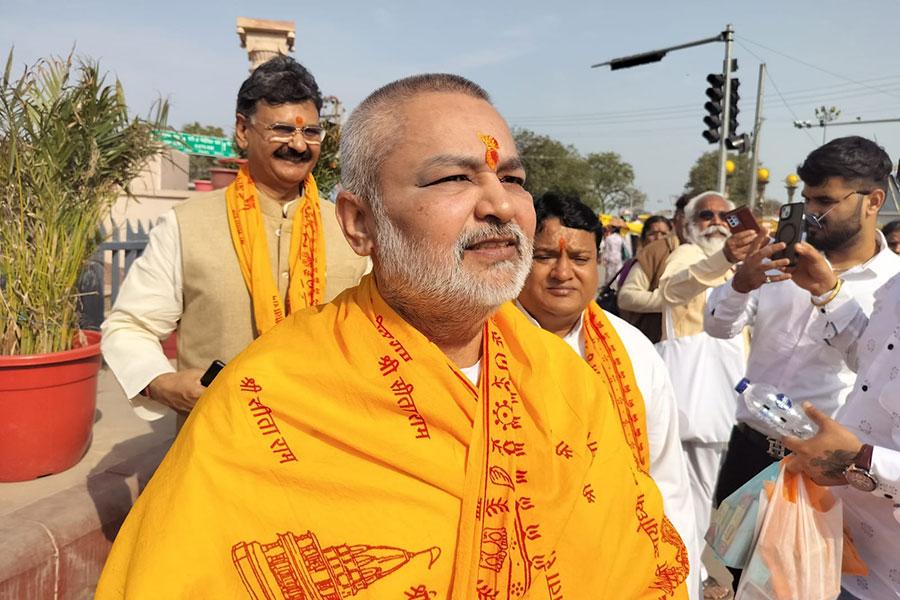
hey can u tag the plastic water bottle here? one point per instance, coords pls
(779, 415)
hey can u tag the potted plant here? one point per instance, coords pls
(226, 172)
(67, 149)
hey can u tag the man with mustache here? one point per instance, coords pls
(844, 188)
(559, 297)
(703, 369)
(416, 437)
(224, 267)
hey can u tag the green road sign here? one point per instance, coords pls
(201, 145)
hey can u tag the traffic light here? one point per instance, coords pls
(733, 106)
(741, 142)
(716, 94)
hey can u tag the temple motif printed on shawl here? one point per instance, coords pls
(297, 567)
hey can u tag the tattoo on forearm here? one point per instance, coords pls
(834, 463)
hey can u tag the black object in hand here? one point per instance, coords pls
(211, 372)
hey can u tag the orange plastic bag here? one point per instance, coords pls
(799, 549)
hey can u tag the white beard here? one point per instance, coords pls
(419, 275)
(707, 240)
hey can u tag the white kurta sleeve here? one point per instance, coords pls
(667, 463)
(146, 310)
(635, 294)
(729, 311)
(684, 277)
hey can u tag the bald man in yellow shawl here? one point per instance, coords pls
(417, 437)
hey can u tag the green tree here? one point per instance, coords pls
(704, 176)
(611, 183)
(199, 165)
(328, 169)
(551, 165)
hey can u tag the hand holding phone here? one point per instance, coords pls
(741, 219)
(791, 230)
(211, 372)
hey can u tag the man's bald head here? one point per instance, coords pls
(367, 136)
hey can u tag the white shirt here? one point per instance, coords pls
(472, 373)
(667, 465)
(786, 349)
(872, 346)
(146, 311)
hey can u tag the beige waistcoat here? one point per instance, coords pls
(217, 317)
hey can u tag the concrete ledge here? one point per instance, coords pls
(56, 546)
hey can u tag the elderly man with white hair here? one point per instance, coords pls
(417, 437)
(703, 369)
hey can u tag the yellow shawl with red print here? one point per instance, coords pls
(343, 455)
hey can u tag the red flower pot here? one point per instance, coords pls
(220, 177)
(47, 404)
(203, 185)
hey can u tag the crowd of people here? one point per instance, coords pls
(422, 398)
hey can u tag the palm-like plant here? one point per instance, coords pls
(67, 150)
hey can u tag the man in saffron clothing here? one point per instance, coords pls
(416, 437)
(226, 266)
(559, 296)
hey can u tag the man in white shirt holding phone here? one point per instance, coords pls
(845, 182)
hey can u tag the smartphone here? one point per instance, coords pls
(791, 229)
(741, 219)
(211, 372)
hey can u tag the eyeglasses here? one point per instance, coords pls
(283, 133)
(816, 220)
(707, 215)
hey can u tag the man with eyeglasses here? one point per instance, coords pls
(702, 368)
(844, 188)
(226, 266)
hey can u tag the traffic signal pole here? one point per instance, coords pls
(728, 34)
(653, 56)
(757, 125)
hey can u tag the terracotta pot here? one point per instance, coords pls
(47, 404)
(221, 177)
(203, 185)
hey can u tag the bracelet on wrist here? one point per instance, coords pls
(832, 293)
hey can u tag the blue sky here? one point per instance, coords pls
(533, 57)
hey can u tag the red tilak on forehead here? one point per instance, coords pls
(491, 147)
(299, 121)
(562, 244)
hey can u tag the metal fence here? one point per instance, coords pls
(113, 259)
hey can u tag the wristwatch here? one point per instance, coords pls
(858, 475)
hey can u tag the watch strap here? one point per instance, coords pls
(863, 459)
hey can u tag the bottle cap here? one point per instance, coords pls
(742, 385)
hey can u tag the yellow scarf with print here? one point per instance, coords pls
(373, 468)
(606, 354)
(306, 257)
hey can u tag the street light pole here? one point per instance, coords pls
(644, 58)
(728, 34)
(757, 125)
